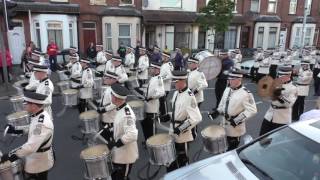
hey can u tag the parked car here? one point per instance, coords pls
(287, 153)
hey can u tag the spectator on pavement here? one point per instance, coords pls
(91, 51)
(52, 51)
(137, 53)
(122, 50)
(178, 60)
(9, 65)
(26, 54)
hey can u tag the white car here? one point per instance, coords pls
(288, 153)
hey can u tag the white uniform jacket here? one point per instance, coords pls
(109, 66)
(37, 150)
(129, 61)
(33, 82)
(264, 66)
(280, 110)
(237, 61)
(124, 126)
(76, 72)
(197, 82)
(120, 71)
(304, 81)
(108, 117)
(155, 90)
(87, 82)
(238, 103)
(185, 110)
(165, 73)
(143, 66)
(101, 60)
(46, 87)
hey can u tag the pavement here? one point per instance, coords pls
(69, 166)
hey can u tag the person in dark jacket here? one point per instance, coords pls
(156, 57)
(91, 51)
(122, 51)
(178, 60)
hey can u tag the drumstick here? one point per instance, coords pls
(5, 131)
(163, 127)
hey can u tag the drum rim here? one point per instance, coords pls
(9, 118)
(209, 137)
(74, 92)
(16, 98)
(103, 156)
(161, 145)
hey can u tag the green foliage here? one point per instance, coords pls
(217, 14)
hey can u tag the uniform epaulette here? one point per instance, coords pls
(127, 111)
(88, 69)
(246, 89)
(46, 83)
(190, 93)
(41, 118)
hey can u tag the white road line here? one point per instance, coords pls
(259, 102)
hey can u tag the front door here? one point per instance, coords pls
(88, 37)
(17, 43)
(245, 37)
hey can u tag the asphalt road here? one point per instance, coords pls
(69, 166)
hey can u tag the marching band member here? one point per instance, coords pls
(123, 140)
(258, 57)
(185, 115)
(105, 106)
(279, 113)
(109, 55)
(155, 90)
(118, 68)
(36, 59)
(73, 51)
(45, 86)
(75, 71)
(165, 73)
(237, 106)
(237, 59)
(264, 66)
(303, 85)
(129, 59)
(143, 64)
(37, 151)
(273, 66)
(86, 85)
(101, 58)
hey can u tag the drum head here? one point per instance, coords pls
(17, 115)
(213, 131)
(92, 114)
(136, 103)
(70, 91)
(159, 139)
(94, 152)
(210, 65)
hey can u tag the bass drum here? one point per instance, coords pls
(209, 64)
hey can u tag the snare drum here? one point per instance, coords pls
(11, 170)
(63, 85)
(98, 163)
(62, 76)
(214, 139)
(20, 120)
(138, 108)
(70, 97)
(161, 149)
(90, 122)
(19, 85)
(97, 83)
(17, 103)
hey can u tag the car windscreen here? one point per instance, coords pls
(283, 155)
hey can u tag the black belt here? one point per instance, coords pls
(278, 107)
(302, 84)
(44, 149)
(75, 80)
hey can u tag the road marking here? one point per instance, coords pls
(259, 102)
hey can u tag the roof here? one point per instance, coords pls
(168, 17)
(300, 20)
(64, 8)
(268, 19)
(120, 11)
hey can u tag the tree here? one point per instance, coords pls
(217, 14)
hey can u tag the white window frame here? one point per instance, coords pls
(235, 6)
(275, 2)
(56, 28)
(293, 6)
(275, 40)
(98, 2)
(126, 4)
(125, 37)
(258, 33)
(258, 10)
(162, 6)
(38, 44)
(108, 38)
(316, 36)
(309, 7)
(73, 33)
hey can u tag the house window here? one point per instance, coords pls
(235, 6)
(272, 6)
(170, 37)
(230, 38)
(297, 37)
(138, 32)
(55, 33)
(309, 5)
(38, 34)
(170, 3)
(124, 34)
(126, 2)
(272, 37)
(293, 7)
(89, 25)
(307, 38)
(109, 36)
(260, 37)
(71, 33)
(255, 6)
(97, 2)
(316, 37)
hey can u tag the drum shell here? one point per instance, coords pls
(90, 125)
(162, 155)
(19, 85)
(12, 173)
(101, 92)
(63, 85)
(97, 83)
(17, 103)
(215, 145)
(21, 122)
(99, 167)
(70, 99)
(139, 112)
(62, 76)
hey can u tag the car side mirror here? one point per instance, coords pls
(247, 139)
